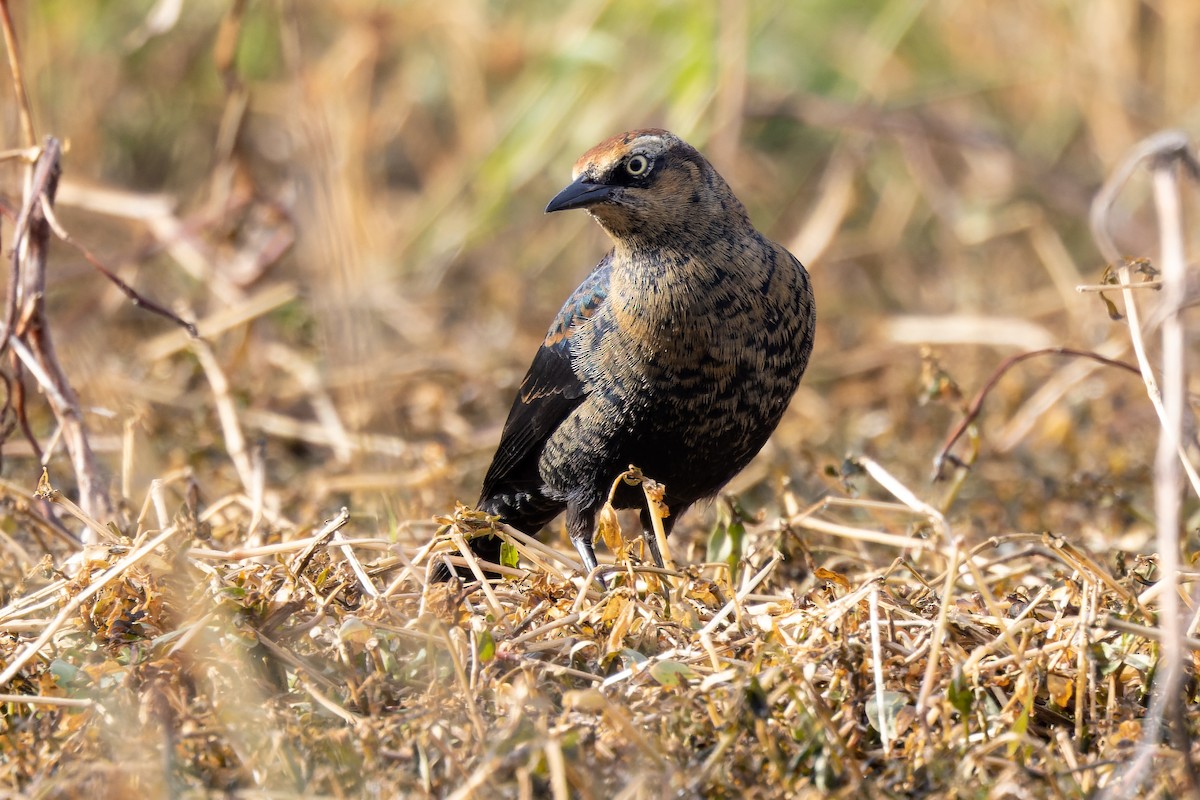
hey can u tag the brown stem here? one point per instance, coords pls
(19, 407)
(133, 295)
(34, 239)
(976, 404)
(14, 67)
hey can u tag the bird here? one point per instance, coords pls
(678, 354)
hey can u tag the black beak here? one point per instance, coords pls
(580, 194)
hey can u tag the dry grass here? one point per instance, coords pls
(346, 199)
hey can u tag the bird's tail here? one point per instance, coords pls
(485, 548)
(526, 512)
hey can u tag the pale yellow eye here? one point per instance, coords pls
(637, 165)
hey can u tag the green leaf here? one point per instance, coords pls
(718, 543)
(960, 694)
(671, 673)
(727, 544)
(1112, 656)
(355, 631)
(509, 556)
(486, 646)
(1021, 725)
(631, 658)
(63, 671)
(888, 714)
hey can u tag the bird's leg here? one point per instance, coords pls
(655, 553)
(581, 525)
(651, 539)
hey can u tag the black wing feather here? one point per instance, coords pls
(550, 392)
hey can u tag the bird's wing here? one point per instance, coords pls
(551, 389)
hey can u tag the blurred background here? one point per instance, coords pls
(348, 197)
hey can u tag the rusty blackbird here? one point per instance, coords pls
(678, 354)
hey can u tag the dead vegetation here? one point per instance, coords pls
(218, 584)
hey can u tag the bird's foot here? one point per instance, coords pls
(587, 554)
(652, 544)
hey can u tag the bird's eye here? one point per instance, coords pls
(637, 165)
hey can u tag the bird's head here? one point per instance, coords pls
(647, 184)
